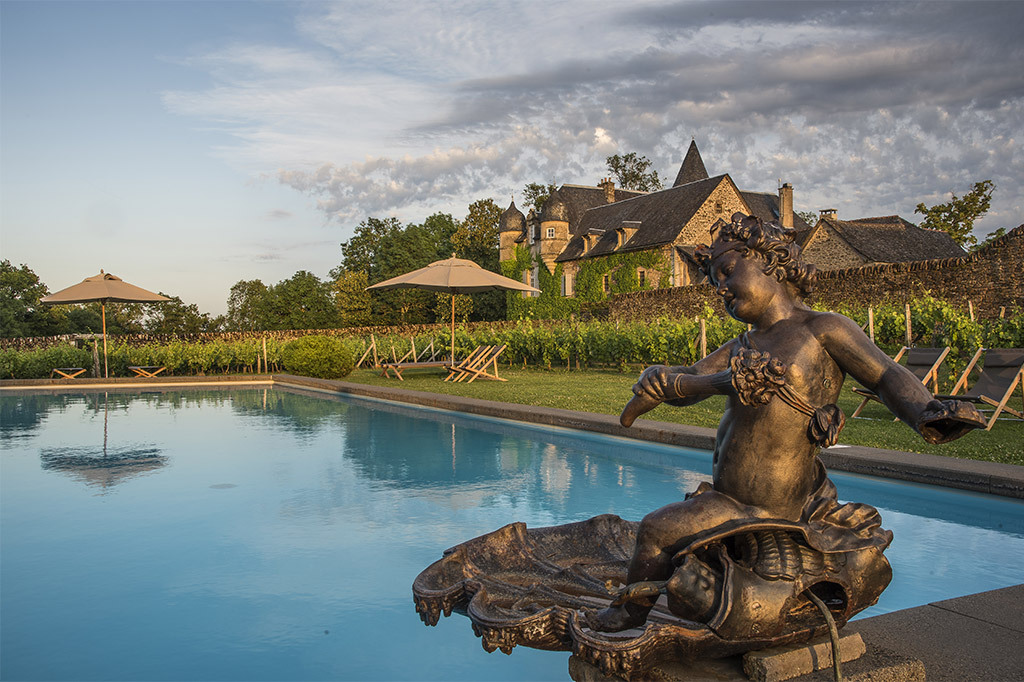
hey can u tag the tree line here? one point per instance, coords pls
(380, 248)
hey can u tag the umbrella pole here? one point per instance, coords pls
(103, 313)
(453, 330)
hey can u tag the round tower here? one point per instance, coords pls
(511, 230)
(554, 229)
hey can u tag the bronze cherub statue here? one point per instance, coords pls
(743, 561)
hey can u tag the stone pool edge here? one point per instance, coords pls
(993, 478)
(1005, 480)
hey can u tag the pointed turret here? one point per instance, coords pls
(512, 220)
(511, 231)
(692, 169)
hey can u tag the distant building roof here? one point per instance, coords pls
(659, 217)
(891, 239)
(765, 206)
(579, 199)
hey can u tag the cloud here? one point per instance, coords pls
(870, 107)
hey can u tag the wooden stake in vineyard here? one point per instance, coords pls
(871, 323)
(907, 313)
(703, 338)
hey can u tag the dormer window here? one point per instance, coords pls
(626, 231)
(551, 233)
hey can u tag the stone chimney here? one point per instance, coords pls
(608, 185)
(828, 214)
(786, 205)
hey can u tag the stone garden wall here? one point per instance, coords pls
(991, 278)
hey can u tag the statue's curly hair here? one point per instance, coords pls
(773, 243)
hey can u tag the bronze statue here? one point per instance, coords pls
(741, 563)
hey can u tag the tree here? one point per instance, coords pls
(477, 240)
(956, 217)
(535, 194)
(992, 236)
(249, 306)
(303, 301)
(21, 313)
(351, 299)
(810, 217)
(632, 172)
(177, 317)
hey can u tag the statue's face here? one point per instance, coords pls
(743, 285)
(695, 585)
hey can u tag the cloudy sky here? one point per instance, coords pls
(185, 146)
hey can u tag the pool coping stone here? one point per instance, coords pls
(994, 478)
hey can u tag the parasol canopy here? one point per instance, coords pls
(103, 287)
(453, 276)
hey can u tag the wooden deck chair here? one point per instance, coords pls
(922, 362)
(413, 360)
(472, 360)
(1001, 372)
(478, 369)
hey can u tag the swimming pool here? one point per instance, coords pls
(269, 534)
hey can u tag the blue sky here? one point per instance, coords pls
(187, 145)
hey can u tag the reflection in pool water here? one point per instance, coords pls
(266, 534)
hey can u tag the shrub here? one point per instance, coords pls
(324, 357)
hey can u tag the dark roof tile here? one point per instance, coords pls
(891, 239)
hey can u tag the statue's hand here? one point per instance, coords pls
(946, 420)
(648, 392)
(655, 382)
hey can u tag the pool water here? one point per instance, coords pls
(266, 534)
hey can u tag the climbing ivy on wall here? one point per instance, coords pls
(550, 305)
(589, 284)
(622, 269)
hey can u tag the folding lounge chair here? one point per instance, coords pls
(922, 362)
(476, 365)
(1001, 372)
(417, 361)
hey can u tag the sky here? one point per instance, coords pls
(185, 146)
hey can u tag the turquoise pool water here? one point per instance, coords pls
(264, 534)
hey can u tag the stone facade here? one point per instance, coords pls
(828, 251)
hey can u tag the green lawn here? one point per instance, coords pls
(606, 392)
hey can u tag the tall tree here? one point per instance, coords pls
(303, 301)
(633, 172)
(351, 299)
(476, 239)
(956, 217)
(21, 313)
(249, 306)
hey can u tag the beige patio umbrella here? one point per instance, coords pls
(103, 287)
(454, 276)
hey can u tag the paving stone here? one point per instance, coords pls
(786, 662)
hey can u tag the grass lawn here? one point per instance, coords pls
(607, 391)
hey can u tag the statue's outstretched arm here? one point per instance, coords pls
(897, 388)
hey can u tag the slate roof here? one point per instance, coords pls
(765, 206)
(692, 169)
(661, 216)
(891, 239)
(579, 199)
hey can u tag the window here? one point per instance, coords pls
(641, 276)
(551, 233)
(606, 281)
